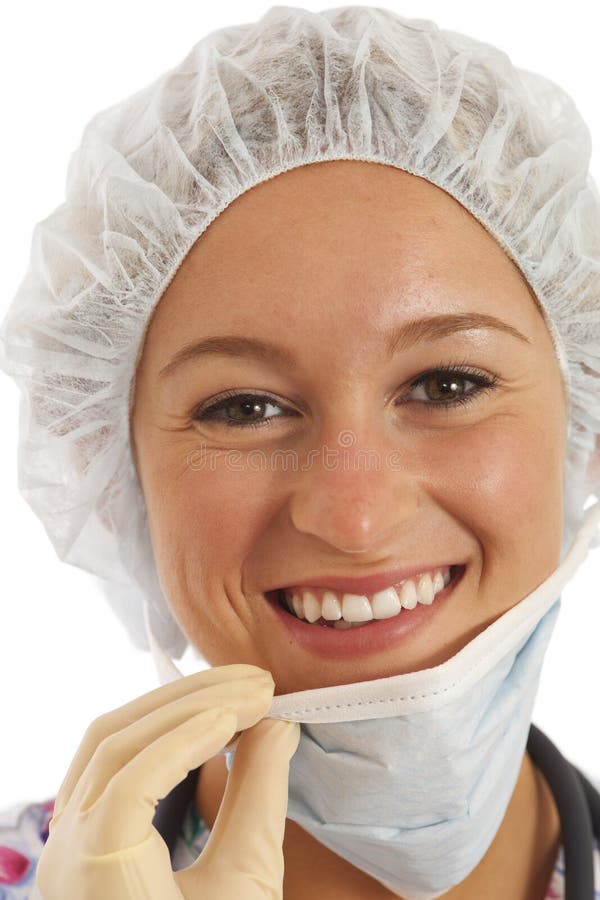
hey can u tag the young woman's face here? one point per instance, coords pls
(354, 468)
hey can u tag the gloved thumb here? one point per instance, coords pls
(245, 843)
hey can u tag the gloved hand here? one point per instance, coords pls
(102, 844)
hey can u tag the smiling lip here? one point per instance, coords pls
(372, 637)
(368, 584)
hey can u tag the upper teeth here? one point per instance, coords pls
(313, 603)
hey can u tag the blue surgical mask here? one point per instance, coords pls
(408, 778)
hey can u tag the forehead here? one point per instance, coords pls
(351, 242)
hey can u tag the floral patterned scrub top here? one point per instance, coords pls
(24, 831)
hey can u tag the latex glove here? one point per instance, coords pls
(102, 844)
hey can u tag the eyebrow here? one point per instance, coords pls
(406, 335)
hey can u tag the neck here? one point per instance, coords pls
(521, 858)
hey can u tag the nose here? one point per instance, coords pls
(357, 497)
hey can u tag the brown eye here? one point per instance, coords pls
(243, 409)
(446, 387)
(240, 411)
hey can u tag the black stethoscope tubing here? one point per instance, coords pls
(578, 805)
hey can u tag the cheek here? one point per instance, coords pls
(210, 515)
(205, 523)
(503, 481)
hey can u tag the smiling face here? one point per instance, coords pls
(326, 263)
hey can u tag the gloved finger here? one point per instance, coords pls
(247, 837)
(115, 720)
(249, 697)
(122, 817)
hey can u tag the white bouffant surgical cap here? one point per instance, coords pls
(247, 103)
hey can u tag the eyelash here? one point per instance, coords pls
(483, 383)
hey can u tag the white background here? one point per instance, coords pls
(64, 657)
